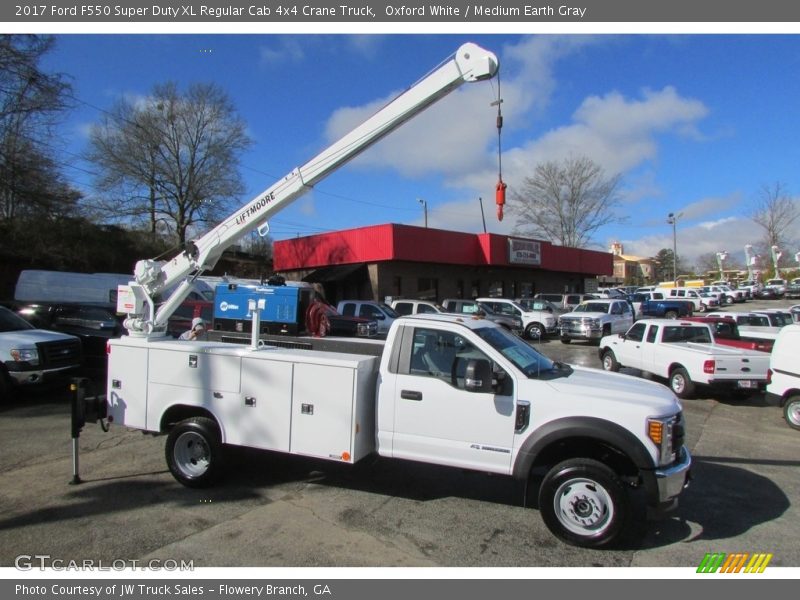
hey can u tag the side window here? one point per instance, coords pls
(424, 308)
(371, 312)
(636, 333)
(652, 333)
(616, 308)
(403, 308)
(349, 309)
(433, 353)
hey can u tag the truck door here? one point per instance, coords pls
(628, 349)
(437, 419)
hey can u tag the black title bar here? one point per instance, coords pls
(402, 11)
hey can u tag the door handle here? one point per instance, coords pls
(410, 395)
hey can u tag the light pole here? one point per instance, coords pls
(425, 209)
(721, 258)
(672, 219)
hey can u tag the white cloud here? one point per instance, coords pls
(728, 233)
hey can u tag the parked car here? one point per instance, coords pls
(30, 357)
(793, 288)
(539, 304)
(751, 286)
(93, 324)
(408, 306)
(751, 325)
(382, 313)
(726, 332)
(701, 301)
(784, 381)
(347, 326)
(535, 323)
(777, 286)
(565, 302)
(594, 319)
(795, 312)
(462, 306)
(683, 352)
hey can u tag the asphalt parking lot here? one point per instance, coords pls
(285, 511)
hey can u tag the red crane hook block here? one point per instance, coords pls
(500, 198)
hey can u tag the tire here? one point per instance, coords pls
(791, 412)
(7, 391)
(534, 331)
(728, 300)
(584, 503)
(703, 308)
(194, 452)
(565, 340)
(681, 384)
(610, 361)
(671, 314)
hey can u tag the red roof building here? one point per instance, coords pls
(393, 260)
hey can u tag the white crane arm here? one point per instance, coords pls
(469, 63)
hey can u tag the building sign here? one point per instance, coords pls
(524, 252)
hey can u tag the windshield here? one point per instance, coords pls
(390, 312)
(533, 364)
(592, 307)
(12, 322)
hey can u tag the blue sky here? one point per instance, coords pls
(695, 124)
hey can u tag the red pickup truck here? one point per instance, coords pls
(726, 332)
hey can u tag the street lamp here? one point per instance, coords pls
(425, 209)
(721, 257)
(672, 219)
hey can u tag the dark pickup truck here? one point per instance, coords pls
(726, 332)
(648, 306)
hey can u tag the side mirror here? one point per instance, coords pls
(621, 336)
(478, 375)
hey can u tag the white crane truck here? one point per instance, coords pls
(447, 389)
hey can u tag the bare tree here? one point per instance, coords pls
(566, 202)
(777, 214)
(30, 102)
(171, 160)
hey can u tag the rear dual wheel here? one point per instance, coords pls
(194, 452)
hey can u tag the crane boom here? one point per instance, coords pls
(470, 63)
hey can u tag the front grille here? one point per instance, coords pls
(59, 354)
(678, 432)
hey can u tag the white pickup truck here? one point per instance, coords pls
(684, 353)
(451, 390)
(593, 319)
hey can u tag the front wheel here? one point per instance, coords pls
(194, 452)
(681, 383)
(610, 361)
(791, 412)
(534, 331)
(584, 503)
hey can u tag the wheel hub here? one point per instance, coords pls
(583, 505)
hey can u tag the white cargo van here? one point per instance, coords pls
(784, 377)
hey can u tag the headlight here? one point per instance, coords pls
(594, 323)
(29, 355)
(660, 432)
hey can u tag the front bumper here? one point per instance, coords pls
(580, 333)
(672, 480)
(38, 376)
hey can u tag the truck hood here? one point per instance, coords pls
(29, 337)
(596, 387)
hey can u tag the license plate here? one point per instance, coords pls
(746, 383)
